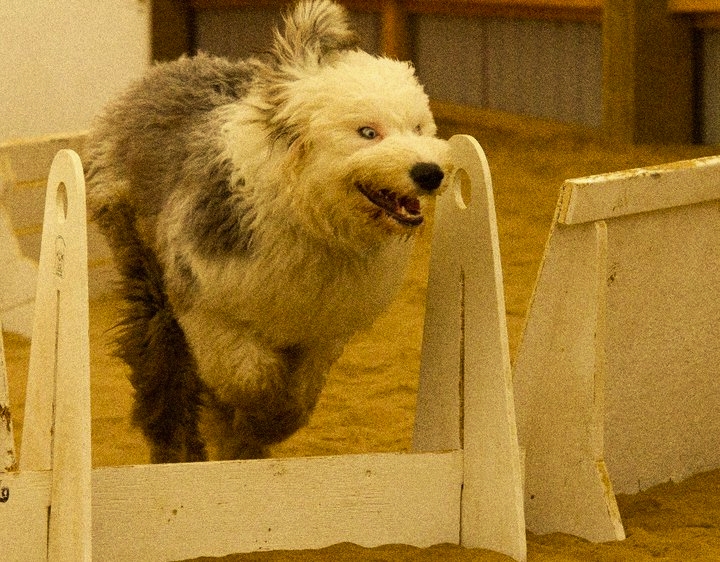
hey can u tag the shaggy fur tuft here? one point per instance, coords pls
(150, 341)
(260, 212)
(312, 30)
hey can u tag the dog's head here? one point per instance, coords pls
(357, 131)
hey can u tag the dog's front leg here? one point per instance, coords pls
(259, 394)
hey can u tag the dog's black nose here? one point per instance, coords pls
(427, 176)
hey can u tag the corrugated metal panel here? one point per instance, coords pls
(237, 33)
(541, 68)
(244, 32)
(451, 58)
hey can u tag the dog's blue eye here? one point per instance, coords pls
(367, 133)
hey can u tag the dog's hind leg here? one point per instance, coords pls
(168, 391)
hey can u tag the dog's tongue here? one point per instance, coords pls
(406, 206)
(405, 209)
(410, 204)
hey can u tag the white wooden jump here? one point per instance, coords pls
(615, 389)
(617, 381)
(462, 486)
(46, 512)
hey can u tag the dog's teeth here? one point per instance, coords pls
(405, 209)
(411, 205)
(387, 195)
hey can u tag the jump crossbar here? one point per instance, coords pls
(642, 190)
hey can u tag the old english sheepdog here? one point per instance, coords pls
(260, 212)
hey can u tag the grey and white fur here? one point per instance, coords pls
(260, 213)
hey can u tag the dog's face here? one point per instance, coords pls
(362, 152)
(357, 139)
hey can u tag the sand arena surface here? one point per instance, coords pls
(369, 402)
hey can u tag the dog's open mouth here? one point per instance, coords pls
(403, 209)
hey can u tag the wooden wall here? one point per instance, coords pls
(242, 32)
(710, 93)
(642, 70)
(550, 69)
(704, 16)
(538, 67)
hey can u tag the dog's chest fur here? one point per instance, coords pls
(287, 285)
(307, 295)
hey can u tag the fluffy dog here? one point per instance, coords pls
(260, 212)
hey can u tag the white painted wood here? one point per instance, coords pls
(640, 191)
(618, 363)
(663, 312)
(623, 321)
(164, 512)
(439, 407)
(492, 509)
(56, 430)
(178, 511)
(662, 417)
(559, 379)
(169, 512)
(465, 397)
(7, 438)
(30, 159)
(24, 515)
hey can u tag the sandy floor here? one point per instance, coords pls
(368, 405)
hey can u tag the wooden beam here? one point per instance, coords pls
(648, 81)
(56, 427)
(181, 511)
(559, 378)
(563, 10)
(172, 29)
(705, 14)
(395, 35)
(707, 21)
(642, 190)
(355, 5)
(694, 6)
(465, 394)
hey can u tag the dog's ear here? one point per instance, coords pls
(314, 29)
